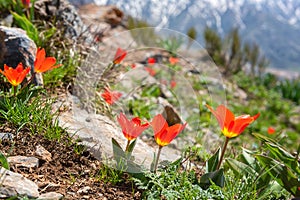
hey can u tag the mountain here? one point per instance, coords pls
(273, 24)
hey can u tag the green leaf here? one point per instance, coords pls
(3, 161)
(240, 168)
(25, 24)
(281, 173)
(264, 138)
(212, 163)
(117, 151)
(131, 146)
(285, 157)
(247, 156)
(217, 177)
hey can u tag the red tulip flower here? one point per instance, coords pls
(151, 61)
(43, 63)
(151, 71)
(131, 128)
(119, 56)
(163, 134)
(133, 66)
(173, 60)
(26, 3)
(15, 76)
(271, 130)
(173, 84)
(110, 96)
(231, 126)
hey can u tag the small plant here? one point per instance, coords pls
(174, 183)
(290, 89)
(110, 175)
(3, 162)
(281, 165)
(171, 45)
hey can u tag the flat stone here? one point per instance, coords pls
(42, 153)
(23, 161)
(84, 190)
(7, 192)
(13, 184)
(50, 196)
(6, 136)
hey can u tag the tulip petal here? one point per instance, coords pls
(223, 115)
(15, 76)
(159, 124)
(131, 129)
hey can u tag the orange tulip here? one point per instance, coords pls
(163, 134)
(43, 63)
(173, 84)
(119, 56)
(110, 96)
(131, 128)
(173, 60)
(15, 76)
(271, 130)
(231, 126)
(151, 71)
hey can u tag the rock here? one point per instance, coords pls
(65, 14)
(81, 2)
(6, 136)
(7, 21)
(7, 192)
(13, 184)
(42, 153)
(109, 14)
(50, 196)
(16, 47)
(84, 190)
(23, 161)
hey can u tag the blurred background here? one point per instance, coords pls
(273, 25)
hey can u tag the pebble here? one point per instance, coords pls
(23, 161)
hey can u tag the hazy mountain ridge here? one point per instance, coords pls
(273, 24)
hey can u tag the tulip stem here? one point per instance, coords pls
(127, 146)
(157, 158)
(223, 152)
(28, 14)
(15, 90)
(27, 82)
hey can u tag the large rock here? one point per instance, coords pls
(64, 13)
(16, 47)
(13, 184)
(81, 2)
(109, 14)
